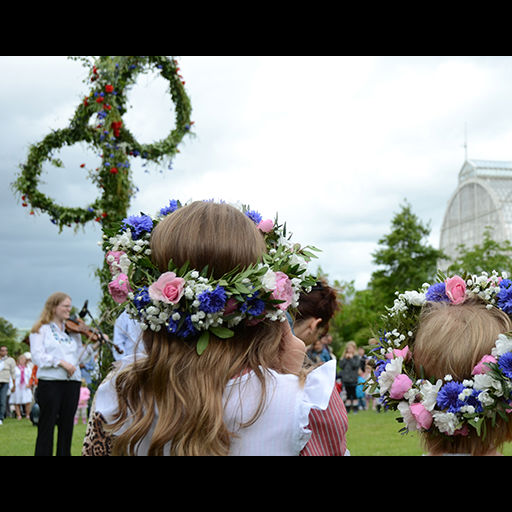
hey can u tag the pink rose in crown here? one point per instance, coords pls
(404, 352)
(481, 367)
(113, 257)
(266, 226)
(119, 288)
(400, 386)
(421, 415)
(455, 289)
(283, 290)
(167, 288)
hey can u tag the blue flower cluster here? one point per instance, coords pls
(185, 330)
(504, 296)
(173, 206)
(448, 398)
(437, 293)
(212, 301)
(141, 298)
(138, 224)
(253, 305)
(505, 364)
(254, 216)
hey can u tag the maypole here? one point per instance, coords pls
(98, 122)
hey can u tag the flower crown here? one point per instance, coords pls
(445, 405)
(189, 302)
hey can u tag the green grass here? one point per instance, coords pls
(372, 433)
(369, 433)
(18, 438)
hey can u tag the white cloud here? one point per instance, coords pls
(334, 144)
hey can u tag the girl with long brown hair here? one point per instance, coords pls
(243, 391)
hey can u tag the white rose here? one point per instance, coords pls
(269, 280)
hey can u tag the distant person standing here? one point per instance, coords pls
(57, 355)
(7, 372)
(22, 396)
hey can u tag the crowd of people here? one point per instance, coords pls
(271, 385)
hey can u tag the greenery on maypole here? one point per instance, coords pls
(98, 122)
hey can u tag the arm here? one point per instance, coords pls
(329, 429)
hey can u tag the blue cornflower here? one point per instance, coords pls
(185, 330)
(254, 216)
(448, 396)
(173, 206)
(473, 400)
(141, 298)
(505, 283)
(437, 293)
(505, 364)
(253, 306)
(504, 297)
(212, 301)
(139, 224)
(381, 366)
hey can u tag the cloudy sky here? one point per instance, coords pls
(333, 144)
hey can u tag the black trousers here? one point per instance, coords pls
(58, 401)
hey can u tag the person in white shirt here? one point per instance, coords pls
(57, 355)
(7, 373)
(127, 336)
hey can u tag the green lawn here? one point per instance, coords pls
(372, 433)
(19, 438)
(369, 433)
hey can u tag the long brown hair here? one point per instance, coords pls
(452, 339)
(173, 389)
(49, 309)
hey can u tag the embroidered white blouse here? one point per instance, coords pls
(282, 427)
(51, 345)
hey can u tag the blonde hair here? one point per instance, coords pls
(187, 389)
(351, 344)
(452, 339)
(49, 309)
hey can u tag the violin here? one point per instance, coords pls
(74, 324)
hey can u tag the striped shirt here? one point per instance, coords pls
(329, 429)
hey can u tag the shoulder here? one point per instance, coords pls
(105, 398)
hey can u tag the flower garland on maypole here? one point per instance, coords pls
(97, 121)
(111, 77)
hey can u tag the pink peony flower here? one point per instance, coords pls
(400, 386)
(283, 290)
(405, 353)
(119, 288)
(464, 431)
(167, 288)
(266, 226)
(421, 415)
(113, 257)
(481, 367)
(455, 289)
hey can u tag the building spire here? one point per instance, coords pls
(465, 141)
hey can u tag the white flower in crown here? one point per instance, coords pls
(189, 302)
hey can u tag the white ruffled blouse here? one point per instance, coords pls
(282, 427)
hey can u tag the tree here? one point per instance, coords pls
(357, 318)
(8, 335)
(406, 258)
(487, 256)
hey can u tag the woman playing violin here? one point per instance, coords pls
(57, 355)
